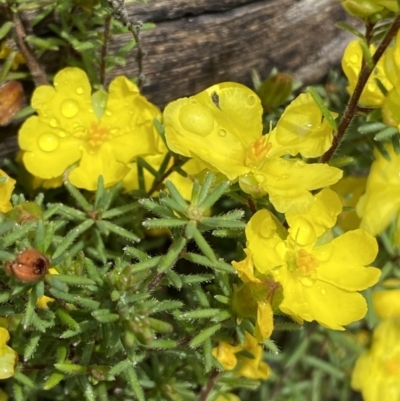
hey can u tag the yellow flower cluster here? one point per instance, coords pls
(320, 277)
(221, 129)
(230, 358)
(380, 205)
(377, 371)
(78, 134)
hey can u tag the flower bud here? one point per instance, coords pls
(275, 90)
(365, 9)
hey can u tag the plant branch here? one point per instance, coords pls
(37, 72)
(104, 48)
(351, 108)
(210, 385)
(119, 12)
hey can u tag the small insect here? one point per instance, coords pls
(29, 266)
(215, 99)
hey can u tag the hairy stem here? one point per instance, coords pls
(209, 386)
(120, 13)
(37, 72)
(351, 108)
(104, 49)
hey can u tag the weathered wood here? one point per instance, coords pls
(188, 54)
(197, 43)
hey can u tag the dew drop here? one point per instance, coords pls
(193, 101)
(62, 133)
(48, 142)
(114, 131)
(79, 90)
(306, 281)
(354, 58)
(108, 113)
(300, 163)
(222, 132)
(323, 292)
(259, 178)
(53, 123)
(69, 108)
(251, 100)
(197, 119)
(285, 176)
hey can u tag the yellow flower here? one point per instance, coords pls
(222, 128)
(6, 189)
(320, 278)
(5, 51)
(256, 298)
(230, 358)
(8, 357)
(371, 96)
(387, 303)
(73, 131)
(377, 372)
(380, 204)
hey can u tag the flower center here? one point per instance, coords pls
(304, 267)
(97, 135)
(257, 151)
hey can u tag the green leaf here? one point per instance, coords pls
(203, 335)
(385, 134)
(172, 255)
(200, 314)
(133, 381)
(320, 103)
(5, 28)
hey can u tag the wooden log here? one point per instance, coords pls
(197, 43)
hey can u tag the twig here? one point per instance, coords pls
(119, 12)
(351, 108)
(37, 72)
(157, 183)
(104, 49)
(210, 385)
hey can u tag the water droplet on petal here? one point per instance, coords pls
(53, 123)
(193, 101)
(69, 108)
(251, 100)
(108, 113)
(48, 142)
(259, 178)
(300, 163)
(323, 292)
(62, 133)
(114, 131)
(79, 90)
(222, 132)
(285, 176)
(197, 119)
(307, 281)
(354, 58)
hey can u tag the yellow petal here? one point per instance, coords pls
(321, 216)
(6, 190)
(301, 129)
(289, 183)
(46, 154)
(265, 321)
(227, 115)
(225, 354)
(8, 357)
(92, 165)
(386, 303)
(349, 254)
(264, 233)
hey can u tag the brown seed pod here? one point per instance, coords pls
(29, 266)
